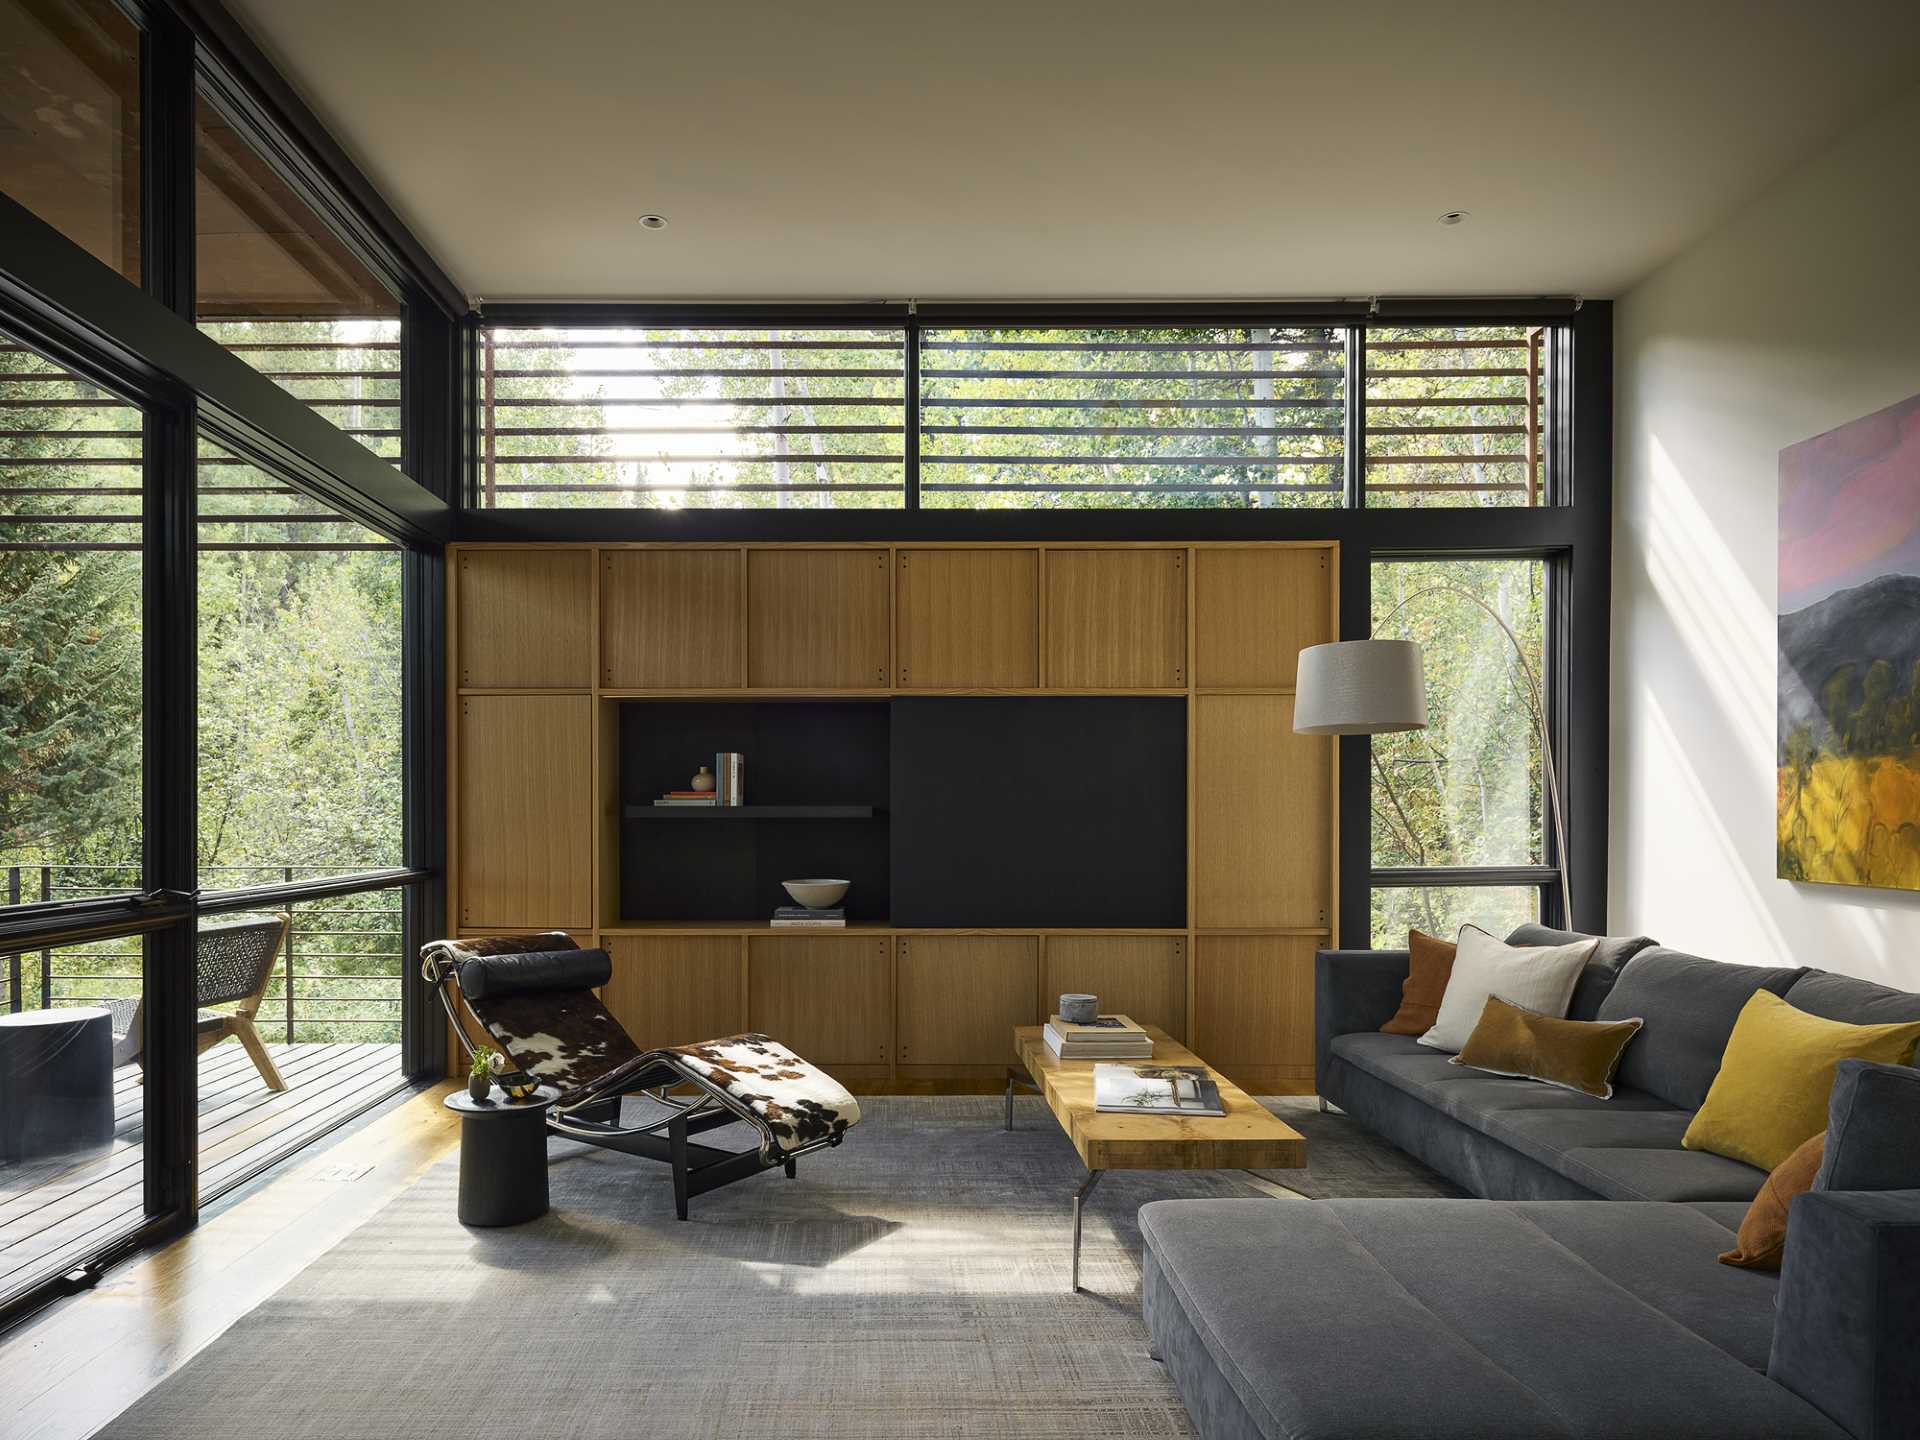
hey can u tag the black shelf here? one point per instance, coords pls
(752, 812)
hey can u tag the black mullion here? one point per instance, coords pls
(166, 163)
(1354, 798)
(1580, 709)
(170, 808)
(1355, 424)
(423, 790)
(910, 418)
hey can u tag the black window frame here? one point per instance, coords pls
(141, 343)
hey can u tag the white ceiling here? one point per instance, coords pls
(985, 149)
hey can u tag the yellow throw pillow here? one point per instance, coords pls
(1776, 1077)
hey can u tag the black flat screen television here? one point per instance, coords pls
(1045, 811)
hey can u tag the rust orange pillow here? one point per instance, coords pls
(1420, 993)
(1763, 1233)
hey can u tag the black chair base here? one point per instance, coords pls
(696, 1168)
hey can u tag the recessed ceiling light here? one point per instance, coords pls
(653, 222)
(1452, 217)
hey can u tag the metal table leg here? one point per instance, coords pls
(1017, 1077)
(1093, 1179)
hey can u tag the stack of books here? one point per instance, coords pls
(688, 797)
(800, 917)
(1110, 1037)
(1156, 1090)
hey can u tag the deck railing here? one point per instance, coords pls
(338, 977)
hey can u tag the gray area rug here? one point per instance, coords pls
(910, 1285)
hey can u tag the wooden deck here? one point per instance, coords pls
(51, 1215)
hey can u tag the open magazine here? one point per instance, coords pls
(1156, 1090)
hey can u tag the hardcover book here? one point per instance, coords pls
(1156, 1090)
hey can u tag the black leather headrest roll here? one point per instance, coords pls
(491, 976)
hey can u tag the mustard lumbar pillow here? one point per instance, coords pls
(1572, 1054)
(1776, 1078)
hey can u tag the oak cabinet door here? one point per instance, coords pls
(828, 998)
(1253, 1010)
(969, 619)
(961, 996)
(1143, 977)
(1116, 619)
(670, 619)
(676, 989)
(1254, 612)
(818, 619)
(526, 811)
(525, 619)
(1262, 816)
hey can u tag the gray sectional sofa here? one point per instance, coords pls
(1581, 1295)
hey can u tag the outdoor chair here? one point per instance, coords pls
(532, 998)
(233, 963)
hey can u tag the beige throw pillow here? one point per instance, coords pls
(1539, 978)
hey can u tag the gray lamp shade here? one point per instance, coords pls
(1360, 687)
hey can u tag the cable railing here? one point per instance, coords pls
(338, 976)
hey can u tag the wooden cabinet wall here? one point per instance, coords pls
(817, 619)
(670, 619)
(550, 641)
(1117, 619)
(827, 997)
(524, 813)
(968, 618)
(958, 996)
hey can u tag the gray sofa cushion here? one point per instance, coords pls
(1851, 1001)
(1562, 1129)
(1596, 981)
(1689, 1005)
(1627, 1173)
(1402, 1318)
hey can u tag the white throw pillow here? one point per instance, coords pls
(1539, 978)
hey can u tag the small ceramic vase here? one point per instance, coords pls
(479, 1087)
(703, 779)
(1079, 1009)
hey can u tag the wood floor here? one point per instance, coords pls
(53, 1214)
(69, 1371)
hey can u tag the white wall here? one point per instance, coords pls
(1799, 314)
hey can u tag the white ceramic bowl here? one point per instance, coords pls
(816, 894)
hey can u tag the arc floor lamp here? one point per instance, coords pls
(1379, 687)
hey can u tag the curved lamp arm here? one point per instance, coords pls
(1539, 707)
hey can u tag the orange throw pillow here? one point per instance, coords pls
(1763, 1234)
(1420, 994)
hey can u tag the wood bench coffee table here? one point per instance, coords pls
(1248, 1137)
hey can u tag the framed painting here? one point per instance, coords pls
(1848, 799)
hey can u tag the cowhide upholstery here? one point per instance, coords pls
(799, 1103)
(567, 1039)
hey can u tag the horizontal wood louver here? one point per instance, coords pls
(745, 417)
(1163, 416)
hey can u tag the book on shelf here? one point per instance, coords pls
(1108, 1037)
(686, 800)
(801, 917)
(1156, 1090)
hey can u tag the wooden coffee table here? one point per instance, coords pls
(1248, 1137)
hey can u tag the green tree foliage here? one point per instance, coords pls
(299, 683)
(1466, 790)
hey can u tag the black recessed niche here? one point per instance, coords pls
(950, 812)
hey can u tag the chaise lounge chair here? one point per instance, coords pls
(532, 997)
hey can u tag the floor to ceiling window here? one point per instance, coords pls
(1459, 812)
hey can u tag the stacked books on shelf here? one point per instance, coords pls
(688, 797)
(1107, 1037)
(1156, 1090)
(801, 917)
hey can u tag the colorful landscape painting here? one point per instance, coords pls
(1848, 807)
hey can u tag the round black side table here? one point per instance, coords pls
(56, 1083)
(503, 1156)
